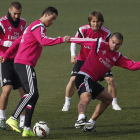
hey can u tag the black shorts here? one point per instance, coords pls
(8, 75)
(27, 76)
(109, 73)
(77, 67)
(85, 84)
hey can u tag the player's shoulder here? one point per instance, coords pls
(105, 29)
(36, 24)
(87, 26)
(22, 19)
(3, 19)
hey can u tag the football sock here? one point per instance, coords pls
(67, 100)
(114, 101)
(22, 118)
(2, 114)
(92, 121)
(27, 128)
(81, 116)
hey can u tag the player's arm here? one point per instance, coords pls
(128, 63)
(73, 47)
(85, 41)
(13, 48)
(73, 53)
(2, 42)
(40, 35)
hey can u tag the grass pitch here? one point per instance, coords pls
(54, 68)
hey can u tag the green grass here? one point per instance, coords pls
(54, 68)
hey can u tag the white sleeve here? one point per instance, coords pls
(73, 49)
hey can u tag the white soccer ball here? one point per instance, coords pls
(41, 129)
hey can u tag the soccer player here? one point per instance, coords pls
(102, 58)
(29, 51)
(94, 29)
(11, 27)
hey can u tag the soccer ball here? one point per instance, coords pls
(41, 129)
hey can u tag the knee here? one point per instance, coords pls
(110, 80)
(72, 79)
(6, 91)
(85, 98)
(109, 100)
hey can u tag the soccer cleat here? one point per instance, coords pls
(89, 129)
(82, 122)
(27, 133)
(2, 124)
(116, 107)
(13, 124)
(65, 107)
(21, 128)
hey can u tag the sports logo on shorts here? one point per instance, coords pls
(5, 81)
(73, 72)
(33, 75)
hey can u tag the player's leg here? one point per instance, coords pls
(83, 84)
(70, 88)
(6, 71)
(28, 79)
(22, 115)
(106, 100)
(3, 104)
(17, 85)
(113, 91)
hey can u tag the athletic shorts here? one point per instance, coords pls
(27, 76)
(8, 75)
(109, 73)
(77, 67)
(85, 84)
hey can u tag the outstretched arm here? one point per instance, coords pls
(84, 41)
(11, 52)
(45, 40)
(128, 63)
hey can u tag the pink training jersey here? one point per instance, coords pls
(31, 44)
(101, 59)
(86, 31)
(9, 33)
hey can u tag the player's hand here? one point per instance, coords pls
(66, 38)
(2, 59)
(73, 59)
(7, 43)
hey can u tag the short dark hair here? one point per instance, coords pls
(96, 14)
(16, 5)
(117, 35)
(50, 10)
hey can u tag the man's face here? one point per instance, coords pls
(49, 19)
(114, 44)
(95, 24)
(15, 13)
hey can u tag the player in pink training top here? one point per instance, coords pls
(29, 51)
(102, 58)
(94, 29)
(11, 27)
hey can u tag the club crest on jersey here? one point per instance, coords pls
(104, 52)
(114, 59)
(10, 28)
(21, 27)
